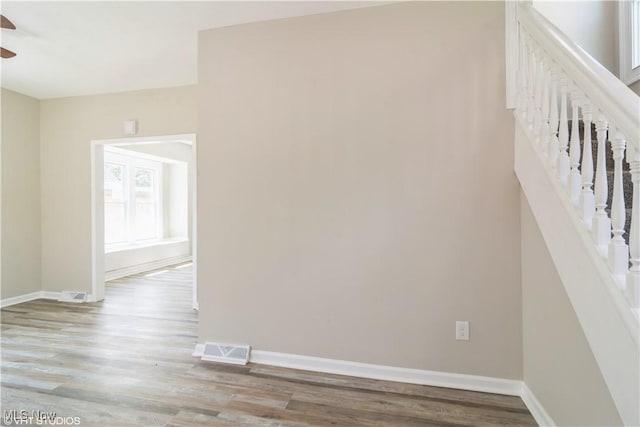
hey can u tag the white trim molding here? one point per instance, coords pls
(198, 351)
(535, 407)
(403, 375)
(97, 208)
(627, 38)
(6, 302)
(141, 268)
(382, 372)
(388, 373)
(52, 295)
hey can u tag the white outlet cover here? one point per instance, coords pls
(462, 330)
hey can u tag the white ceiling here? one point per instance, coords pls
(81, 48)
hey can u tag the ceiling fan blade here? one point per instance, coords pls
(6, 53)
(6, 24)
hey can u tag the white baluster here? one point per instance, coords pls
(554, 144)
(633, 277)
(530, 86)
(574, 150)
(526, 80)
(601, 226)
(587, 200)
(537, 117)
(618, 249)
(544, 138)
(522, 76)
(563, 134)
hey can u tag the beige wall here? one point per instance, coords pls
(20, 194)
(559, 366)
(356, 193)
(67, 127)
(635, 87)
(592, 25)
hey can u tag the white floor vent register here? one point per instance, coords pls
(226, 353)
(72, 296)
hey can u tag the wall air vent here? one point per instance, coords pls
(226, 353)
(72, 296)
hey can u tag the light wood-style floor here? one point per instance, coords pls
(127, 361)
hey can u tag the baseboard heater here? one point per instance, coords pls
(226, 353)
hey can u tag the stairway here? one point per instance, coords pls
(553, 80)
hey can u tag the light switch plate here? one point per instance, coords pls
(130, 127)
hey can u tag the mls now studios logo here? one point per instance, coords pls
(36, 418)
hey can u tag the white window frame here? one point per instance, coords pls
(132, 161)
(629, 40)
(125, 197)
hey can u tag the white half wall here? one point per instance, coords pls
(605, 317)
(559, 366)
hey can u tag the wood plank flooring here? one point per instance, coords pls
(127, 361)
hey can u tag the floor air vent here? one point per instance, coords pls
(226, 353)
(72, 296)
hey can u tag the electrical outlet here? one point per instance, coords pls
(462, 330)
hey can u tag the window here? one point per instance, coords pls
(115, 207)
(629, 28)
(132, 201)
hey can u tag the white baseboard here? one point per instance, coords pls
(388, 373)
(535, 407)
(49, 295)
(404, 375)
(36, 295)
(381, 372)
(6, 302)
(141, 268)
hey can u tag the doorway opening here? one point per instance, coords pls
(143, 207)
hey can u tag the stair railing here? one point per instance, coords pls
(559, 85)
